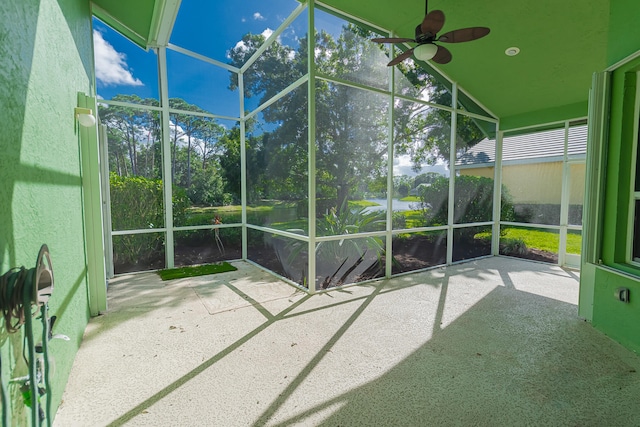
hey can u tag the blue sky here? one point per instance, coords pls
(209, 28)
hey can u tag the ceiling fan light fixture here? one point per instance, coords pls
(425, 52)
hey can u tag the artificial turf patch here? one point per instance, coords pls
(198, 270)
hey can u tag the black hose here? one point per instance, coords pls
(11, 302)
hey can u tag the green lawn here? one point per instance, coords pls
(534, 238)
(411, 199)
(540, 239)
(361, 204)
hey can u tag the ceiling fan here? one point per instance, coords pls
(427, 35)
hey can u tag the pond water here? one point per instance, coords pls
(397, 205)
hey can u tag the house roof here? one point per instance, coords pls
(538, 147)
(562, 43)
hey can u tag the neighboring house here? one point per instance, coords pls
(532, 168)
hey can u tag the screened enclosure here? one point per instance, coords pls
(302, 152)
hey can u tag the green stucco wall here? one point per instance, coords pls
(45, 60)
(619, 320)
(624, 31)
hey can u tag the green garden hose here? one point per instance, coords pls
(44, 310)
(33, 381)
(5, 401)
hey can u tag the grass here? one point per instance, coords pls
(540, 239)
(537, 239)
(411, 199)
(361, 204)
(193, 271)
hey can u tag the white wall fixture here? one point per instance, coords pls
(85, 116)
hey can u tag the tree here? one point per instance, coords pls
(473, 201)
(208, 136)
(351, 124)
(424, 132)
(133, 137)
(403, 189)
(189, 125)
(425, 178)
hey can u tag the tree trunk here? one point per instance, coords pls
(343, 195)
(189, 162)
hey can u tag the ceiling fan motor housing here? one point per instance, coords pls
(423, 38)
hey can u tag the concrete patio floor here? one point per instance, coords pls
(493, 342)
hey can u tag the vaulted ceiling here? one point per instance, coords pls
(562, 43)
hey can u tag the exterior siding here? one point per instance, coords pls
(546, 188)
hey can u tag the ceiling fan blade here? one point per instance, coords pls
(432, 22)
(442, 55)
(464, 35)
(398, 59)
(392, 40)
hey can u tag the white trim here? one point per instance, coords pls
(634, 195)
(274, 36)
(497, 195)
(311, 148)
(203, 114)
(423, 102)
(623, 61)
(564, 199)
(350, 83)
(390, 157)
(452, 174)
(532, 225)
(284, 92)
(340, 13)
(203, 58)
(494, 117)
(162, 22)
(283, 233)
(545, 126)
(106, 198)
(167, 179)
(243, 165)
(129, 104)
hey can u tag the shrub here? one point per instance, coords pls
(398, 220)
(513, 246)
(403, 189)
(473, 201)
(136, 203)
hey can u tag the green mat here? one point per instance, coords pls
(198, 270)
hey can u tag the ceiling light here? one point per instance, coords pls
(512, 51)
(425, 52)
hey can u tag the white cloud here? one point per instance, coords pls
(402, 165)
(111, 65)
(258, 17)
(239, 46)
(242, 46)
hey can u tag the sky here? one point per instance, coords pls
(209, 28)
